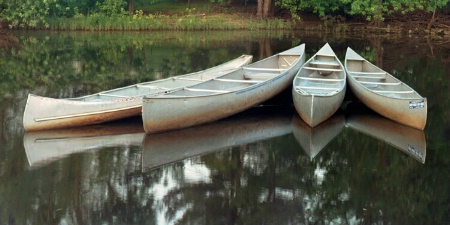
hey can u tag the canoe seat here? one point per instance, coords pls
(355, 59)
(185, 78)
(368, 75)
(116, 96)
(259, 76)
(151, 87)
(239, 81)
(379, 83)
(393, 92)
(324, 62)
(264, 69)
(322, 69)
(206, 90)
(320, 79)
(317, 88)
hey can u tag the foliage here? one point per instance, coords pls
(26, 13)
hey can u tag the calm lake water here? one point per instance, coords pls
(264, 166)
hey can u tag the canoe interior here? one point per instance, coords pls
(378, 81)
(321, 75)
(169, 84)
(242, 78)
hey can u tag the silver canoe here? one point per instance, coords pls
(223, 96)
(314, 139)
(384, 93)
(42, 113)
(319, 87)
(254, 125)
(43, 147)
(407, 139)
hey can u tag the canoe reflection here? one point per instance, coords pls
(43, 147)
(253, 125)
(313, 140)
(407, 139)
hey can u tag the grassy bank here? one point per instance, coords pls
(190, 20)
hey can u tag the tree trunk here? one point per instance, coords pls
(266, 8)
(433, 18)
(131, 6)
(259, 12)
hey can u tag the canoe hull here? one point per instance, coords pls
(319, 87)
(403, 111)
(163, 114)
(222, 97)
(314, 109)
(67, 113)
(384, 93)
(43, 113)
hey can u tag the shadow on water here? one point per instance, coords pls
(252, 168)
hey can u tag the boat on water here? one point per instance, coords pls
(253, 125)
(319, 87)
(384, 93)
(44, 113)
(314, 139)
(46, 146)
(405, 138)
(224, 95)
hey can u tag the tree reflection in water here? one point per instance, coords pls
(353, 179)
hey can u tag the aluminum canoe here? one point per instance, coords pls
(319, 87)
(223, 96)
(384, 93)
(43, 113)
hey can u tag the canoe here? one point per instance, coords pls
(43, 113)
(384, 93)
(252, 126)
(405, 138)
(314, 139)
(319, 87)
(223, 96)
(46, 146)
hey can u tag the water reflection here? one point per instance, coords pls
(254, 125)
(407, 139)
(43, 147)
(313, 140)
(355, 179)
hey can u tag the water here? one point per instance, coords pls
(260, 167)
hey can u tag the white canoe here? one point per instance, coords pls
(43, 113)
(319, 87)
(254, 125)
(314, 139)
(223, 96)
(384, 93)
(407, 139)
(46, 146)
